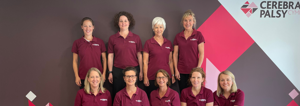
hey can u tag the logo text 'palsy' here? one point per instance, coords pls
(279, 8)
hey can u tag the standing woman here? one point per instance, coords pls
(124, 49)
(227, 93)
(164, 96)
(131, 95)
(157, 55)
(89, 49)
(93, 94)
(197, 94)
(189, 47)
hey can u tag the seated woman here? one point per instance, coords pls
(163, 96)
(131, 95)
(227, 93)
(196, 95)
(93, 93)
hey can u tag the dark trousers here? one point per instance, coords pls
(82, 84)
(183, 83)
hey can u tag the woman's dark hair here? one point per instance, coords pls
(87, 18)
(129, 69)
(126, 14)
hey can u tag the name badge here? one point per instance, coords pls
(193, 39)
(103, 99)
(138, 100)
(232, 100)
(131, 41)
(168, 47)
(168, 101)
(202, 100)
(95, 44)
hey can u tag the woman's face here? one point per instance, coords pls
(161, 80)
(130, 77)
(94, 79)
(225, 82)
(196, 79)
(87, 27)
(158, 29)
(123, 23)
(188, 22)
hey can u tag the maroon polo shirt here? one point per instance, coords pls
(188, 51)
(158, 56)
(205, 96)
(89, 54)
(235, 98)
(125, 49)
(139, 98)
(101, 99)
(171, 98)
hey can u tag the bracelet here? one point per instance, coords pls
(173, 75)
(109, 71)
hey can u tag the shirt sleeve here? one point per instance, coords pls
(201, 38)
(183, 96)
(110, 45)
(146, 47)
(176, 100)
(78, 99)
(171, 46)
(117, 100)
(210, 96)
(75, 47)
(240, 96)
(108, 98)
(145, 99)
(215, 99)
(139, 46)
(175, 40)
(103, 48)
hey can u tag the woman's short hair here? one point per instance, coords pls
(166, 74)
(233, 87)
(189, 13)
(159, 21)
(87, 18)
(126, 14)
(131, 69)
(87, 87)
(197, 69)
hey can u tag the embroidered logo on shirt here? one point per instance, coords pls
(232, 100)
(131, 41)
(103, 99)
(95, 44)
(138, 100)
(193, 39)
(168, 47)
(168, 101)
(202, 100)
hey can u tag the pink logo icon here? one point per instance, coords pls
(249, 9)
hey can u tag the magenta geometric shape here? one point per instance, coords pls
(212, 73)
(292, 103)
(252, 5)
(225, 39)
(30, 103)
(49, 104)
(293, 94)
(248, 14)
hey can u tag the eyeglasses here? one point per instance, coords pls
(130, 76)
(161, 78)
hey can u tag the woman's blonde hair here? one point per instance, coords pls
(87, 87)
(233, 87)
(189, 13)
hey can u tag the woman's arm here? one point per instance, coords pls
(140, 59)
(110, 66)
(145, 68)
(175, 60)
(75, 68)
(171, 67)
(201, 54)
(104, 65)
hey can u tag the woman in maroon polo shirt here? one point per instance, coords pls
(164, 96)
(189, 44)
(90, 50)
(131, 95)
(157, 54)
(197, 94)
(227, 93)
(93, 93)
(124, 49)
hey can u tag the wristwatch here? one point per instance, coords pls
(109, 71)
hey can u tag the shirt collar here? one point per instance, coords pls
(152, 40)
(182, 33)
(93, 40)
(166, 95)
(201, 91)
(136, 92)
(129, 34)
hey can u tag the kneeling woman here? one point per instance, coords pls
(196, 95)
(163, 96)
(131, 95)
(227, 93)
(93, 93)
